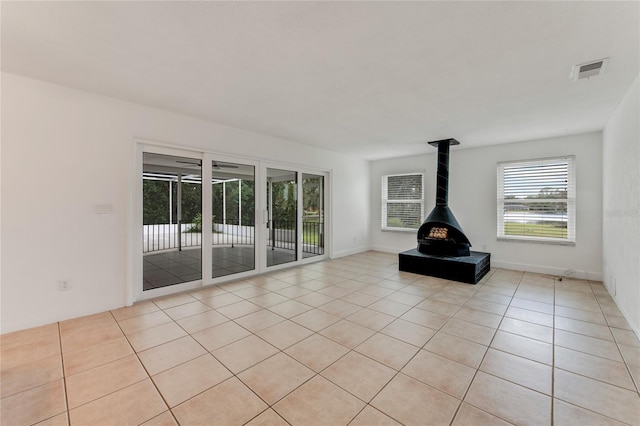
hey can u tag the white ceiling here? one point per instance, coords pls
(369, 79)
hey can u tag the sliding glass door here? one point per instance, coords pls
(313, 215)
(194, 234)
(295, 215)
(282, 211)
(171, 216)
(199, 223)
(233, 218)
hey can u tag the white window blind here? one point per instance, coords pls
(402, 202)
(537, 200)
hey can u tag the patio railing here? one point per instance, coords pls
(232, 234)
(282, 234)
(313, 237)
(163, 236)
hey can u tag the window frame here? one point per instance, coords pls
(385, 202)
(570, 201)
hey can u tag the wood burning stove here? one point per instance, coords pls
(441, 234)
(443, 248)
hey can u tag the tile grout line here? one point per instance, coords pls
(399, 371)
(476, 369)
(319, 373)
(587, 353)
(316, 374)
(626, 364)
(553, 356)
(348, 352)
(594, 355)
(234, 375)
(64, 377)
(485, 355)
(81, 372)
(145, 368)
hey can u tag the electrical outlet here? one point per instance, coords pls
(64, 285)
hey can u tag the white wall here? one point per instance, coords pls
(64, 152)
(472, 198)
(621, 204)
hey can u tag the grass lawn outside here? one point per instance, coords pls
(310, 231)
(551, 230)
(310, 238)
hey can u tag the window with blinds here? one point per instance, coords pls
(402, 202)
(537, 200)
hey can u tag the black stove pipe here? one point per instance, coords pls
(442, 183)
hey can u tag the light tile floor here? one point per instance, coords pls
(347, 341)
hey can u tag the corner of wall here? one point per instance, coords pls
(621, 206)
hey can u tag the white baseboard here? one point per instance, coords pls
(549, 270)
(349, 252)
(635, 327)
(389, 249)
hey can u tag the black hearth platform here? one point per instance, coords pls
(466, 269)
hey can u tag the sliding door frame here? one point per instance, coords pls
(300, 171)
(136, 292)
(134, 288)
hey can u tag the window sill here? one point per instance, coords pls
(399, 230)
(549, 241)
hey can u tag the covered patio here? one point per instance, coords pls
(173, 222)
(173, 266)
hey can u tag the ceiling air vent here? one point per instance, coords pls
(589, 69)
